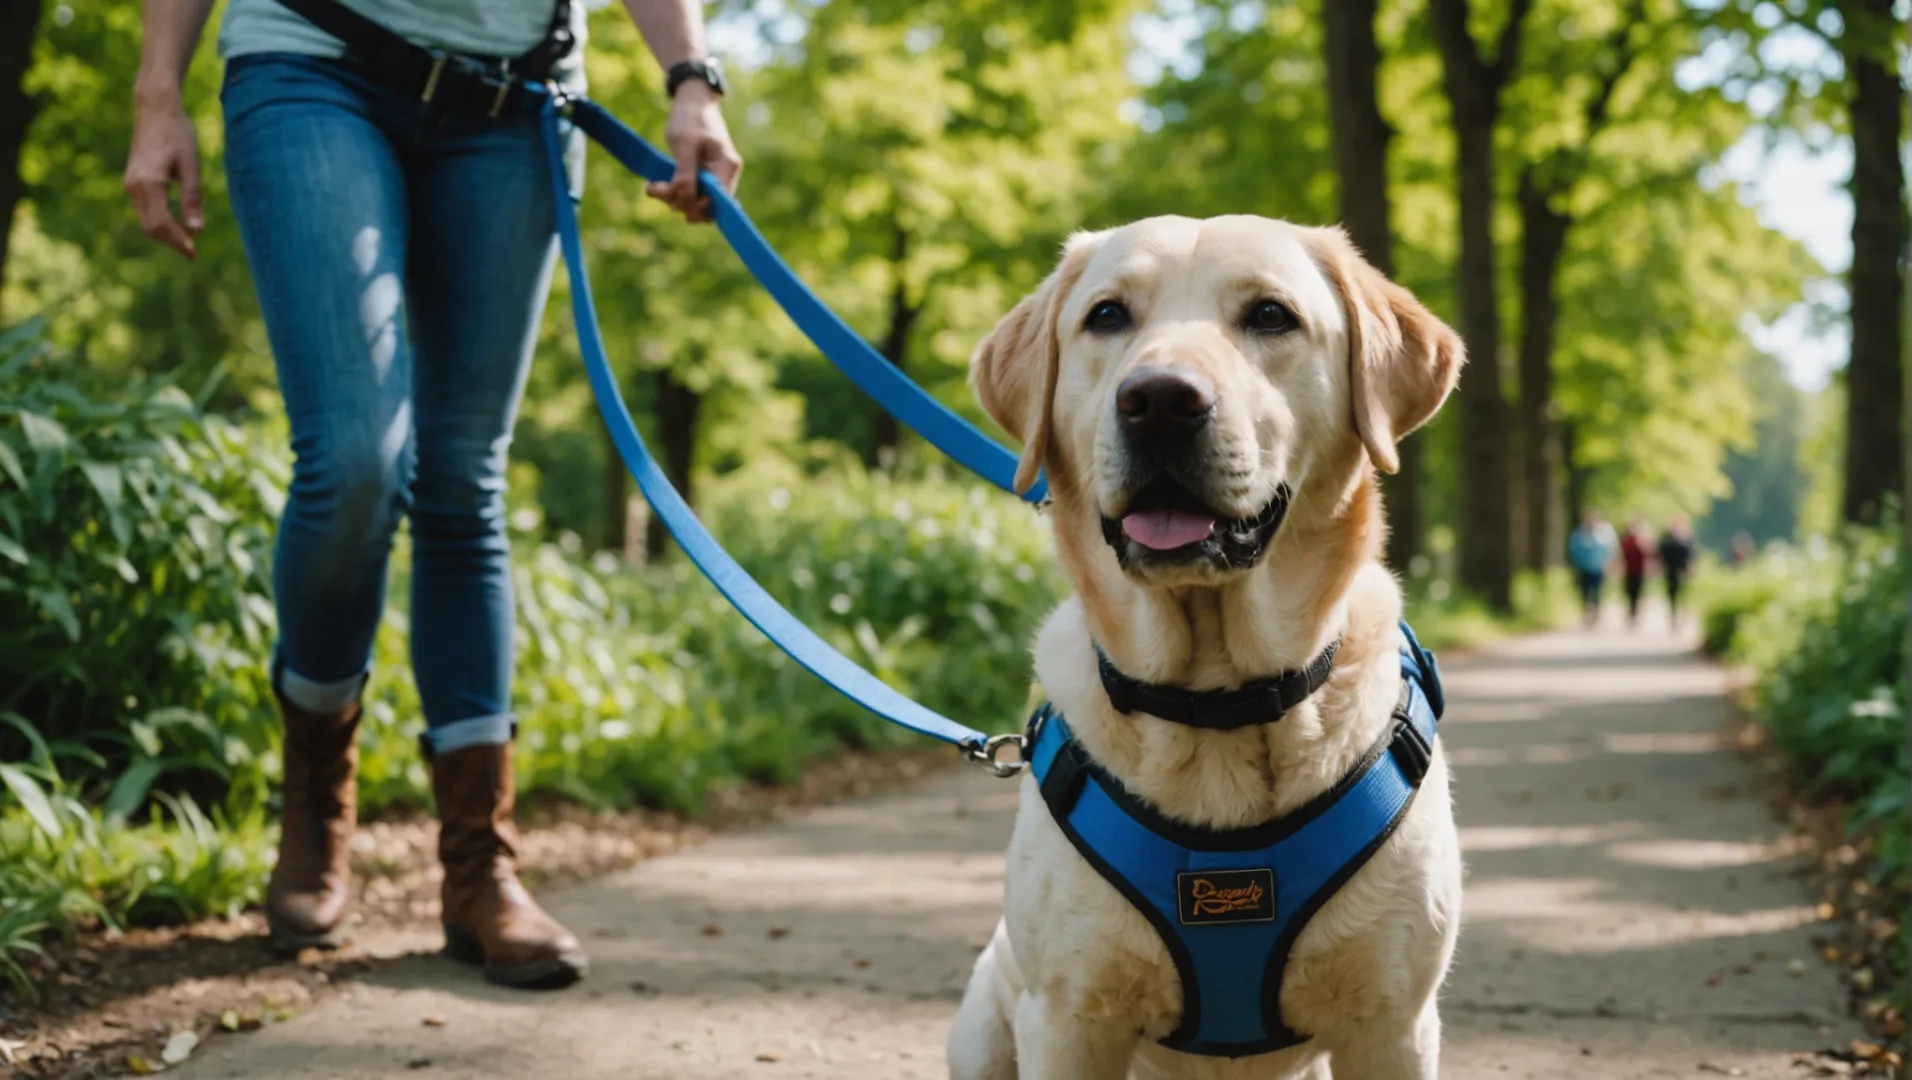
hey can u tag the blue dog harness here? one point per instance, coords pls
(1229, 904)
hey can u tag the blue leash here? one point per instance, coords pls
(875, 376)
(750, 598)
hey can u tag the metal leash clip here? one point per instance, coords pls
(988, 753)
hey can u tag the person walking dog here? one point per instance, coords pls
(393, 193)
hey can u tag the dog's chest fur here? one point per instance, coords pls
(1366, 953)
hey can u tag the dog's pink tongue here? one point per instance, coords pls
(1164, 530)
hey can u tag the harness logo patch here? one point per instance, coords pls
(1226, 896)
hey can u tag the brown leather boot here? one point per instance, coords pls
(489, 917)
(310, 889)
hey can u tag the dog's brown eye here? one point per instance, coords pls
(1269, 317)
(1108, 317)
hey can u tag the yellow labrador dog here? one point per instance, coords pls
(1211, 400)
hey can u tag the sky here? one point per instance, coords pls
(1799, 190)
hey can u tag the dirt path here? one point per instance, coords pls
(1630, 914)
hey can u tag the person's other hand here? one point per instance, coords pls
(165, 151)
(698, 140)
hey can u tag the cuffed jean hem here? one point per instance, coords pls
(310, 695)
(477, 731)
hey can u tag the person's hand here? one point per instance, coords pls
(165, 151)
(698, 140)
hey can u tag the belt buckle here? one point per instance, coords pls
(439, 59)
(500, 82)
(503, 82)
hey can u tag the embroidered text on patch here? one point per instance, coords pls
(1226, 896)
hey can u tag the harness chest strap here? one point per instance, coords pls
(1229, 904)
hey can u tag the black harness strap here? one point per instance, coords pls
(451, 82)
(1263, 701)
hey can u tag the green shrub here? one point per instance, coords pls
(1824, 630)
(1835, 701)
(134, 537)
(645, 686)
(1753, 614)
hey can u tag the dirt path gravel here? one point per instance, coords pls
(1632, 911)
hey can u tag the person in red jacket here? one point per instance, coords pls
(1635, 547)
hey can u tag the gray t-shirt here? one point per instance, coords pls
(482, 27)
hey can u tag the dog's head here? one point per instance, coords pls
(1184, 381)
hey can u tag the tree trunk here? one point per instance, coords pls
(1543, 238)
(19, 20)
(676, 408)
(1875, 377)
(1473, 90)
(1577, 478)
(895, 345)
(1361, 136)
(1486, 525)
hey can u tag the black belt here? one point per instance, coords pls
(450, 82)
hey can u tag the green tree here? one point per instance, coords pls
(1548, 176)
(1361, 137)
(115, 296)
(1875, 377)
(926, 172)
(1768, 476)
(1865, 99)
(1475, 85)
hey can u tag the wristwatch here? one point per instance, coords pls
(707, 69)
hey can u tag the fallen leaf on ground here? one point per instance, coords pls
(179, 1047)
(433, 1021)
(769, 1055)
(139, 1066)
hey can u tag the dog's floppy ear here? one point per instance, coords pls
(1402, 361)
(1013, 371)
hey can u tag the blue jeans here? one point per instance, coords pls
(402, 264)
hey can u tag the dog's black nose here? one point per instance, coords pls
(1164, 403)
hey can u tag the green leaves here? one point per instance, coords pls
(10, 465)
(43, 433)
(54, 604)
(32, 798)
